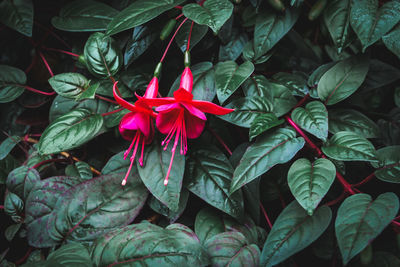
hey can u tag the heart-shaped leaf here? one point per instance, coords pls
(147, 244)
(198, 32)
(102, 55)
(229, 76)
(257, 85)
(352, 121)
(232, 249)
(247, 109)
(21, 181)
(262, 123)
(69, 131)
(12, 82)
(138, 13)
(283, 99)
(293, 231)
(389, 163)
(270, 149)
(14, 206)
(71, 254)
(84, 16)
(213, 13)
(69, 84)
(210, 172)
(296, 82)
(156, 162)
(359, 220)
(309, 182)
(343, 79)
(349, 146)
(313, 118)
(233, 49)
(18, 15)
(208, 224)
(371, 23)
(392, 40)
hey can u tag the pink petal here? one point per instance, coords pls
(135, 121)
(121, 101)
(194, 111)
(152, 89)
(155, 102)
(165, 120)
(186, 80)
(128, 121)
(168, 107)
(211, 108)
(183, 95)
(194, 125)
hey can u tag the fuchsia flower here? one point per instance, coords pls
(181, 116)
(137, 126)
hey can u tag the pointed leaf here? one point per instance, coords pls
(359, 220)
(213, 13)
(283, 99)
(232, 249)
(11, 231)
(296, 82)
(392, 40)
(389, 162)
(146, 244)
(84, 16)
(349, 146)
(14, 206)
(172, 216)
(18, 15)
(352, 121)
(257, 85)
(21, 181)
(198, 32)
(71, 254)
(156, 162)
(273, 148)
(69, 84)
(342, 80)
(371, 23)
(309, 182)
(229, 76)
(11, 83)
(293, 231)
(70, 131)
(141, 39)
(313, 118)
(208, 224)
(210, 172)
(7, 145)
(233, 49)
(262, 123)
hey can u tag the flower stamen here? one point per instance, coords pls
(136, 141)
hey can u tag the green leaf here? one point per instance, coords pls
(156, 162)
(138, 13)
(349, 146)
(257, 85)
(210, 175)
(337, 20)
(73, 254)
(249, 54)
(262, 123)
(70, 131)
(371, 23)
(314, 78)
(102, 55)
(208, 224)
(296, 82)
(89, 93)
(352, 121)
(18, 15)
(21, 181)
(146, 244)
(141, 39)
(313, 118)
(84, 16)
(293, 231)
(309, 182)
(82, 170)
(232, 249)
(247, 109)
(270, 28)
(270, 149)
(7, 145)
(7, 164)
(392, 40)
(198, 32)
(233, 49)
(160, 208)
(69, 84)
(213, 13)
(11, 231)
(116, 164)
(379, 75)
(359, 220)
(12, 82)
(283, 99)
(389, 162)
(14, 206)
(229, 76)
(385, 259)
(343, 79)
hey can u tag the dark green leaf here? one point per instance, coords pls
(389, 162)
(84, 16)
(198, 32)
(138, 13)
(296, 82)
(349, 146)
(89, 93)
(309, 182)
(385, 259)
(262, 123)
(371, 23)
(69, 84)
(283, 99)
(11, 231)
(229, 76)
(213, 13)
(272, 148)
(18, 15)
(352, 121)
(146, 244)
(313, 118)
(21, 181)
(158, 207)
(12, 82)
(258, 85)
(247, 109)
(7, 164)
(73, 254)
(208, 224)
(232, 249)
(210, 175)
(7, 145)
(392, 40)
(116, 164)
(233, 49)
(293, 231)
(102, 55)
(359, 220)
(70, 131)
(14, 206)
(156, 163)
(142, 38)
(249, 54)
(314, 78)
(343, 79)
(83, 170)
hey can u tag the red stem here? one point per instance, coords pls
(111, 112)
(190, 35)
(45, 63)
(266, 215)
(37, 165)
(23, 259)
(179, 16)
(28, 69)
(172, 38)
(220, 140)
(61, 51)
(1, 207)
(106, 99)
(178, 7)
(301, 102)
(38, 91)
(52, 33)
(366, 180)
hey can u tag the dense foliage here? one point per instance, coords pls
(296, 163)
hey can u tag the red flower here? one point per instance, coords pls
(137, 125)
(181, 116)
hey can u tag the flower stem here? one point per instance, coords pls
(190, 35)
(266, 215)
(38, 91)
(219, 139)
(46, 63)
(61, 51)
(112, 112)
(172, 38)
